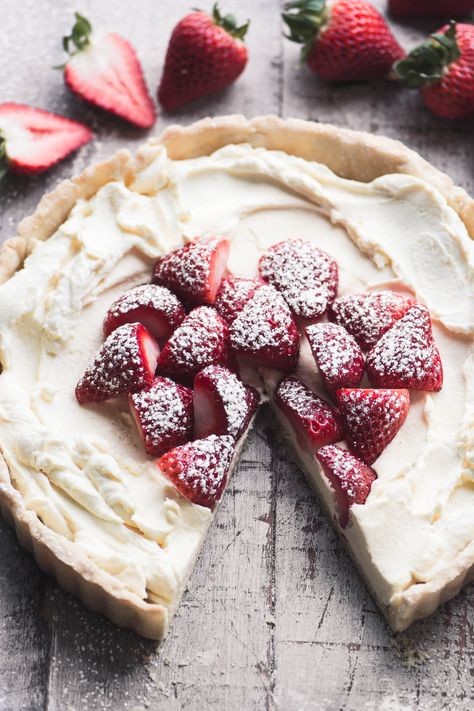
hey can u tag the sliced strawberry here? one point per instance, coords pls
(369, 315)
(201, 340)
(305, 275)
(105, 71)
(164, 415)
(406, 356)
(199, 469)
(195, 271)
(337, 355)
(233, 294)
(372, 418)
(314, 421)
(32, 140)
(222, 403)
(350, 479)
(125, 363)
(265, 332)
(154, 306)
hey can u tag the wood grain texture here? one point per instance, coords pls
(275, 617)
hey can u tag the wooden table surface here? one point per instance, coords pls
(275, 616)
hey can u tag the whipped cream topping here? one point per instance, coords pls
(83, 469)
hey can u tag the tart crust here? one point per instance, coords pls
(349, 154)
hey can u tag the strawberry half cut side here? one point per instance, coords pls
(350, 479)
(372, 418)
(163, 413)
(199, 469)
(33, 140)
(154, 306)
(195, 271)
(222, 403)
(314, 421)
(125, 363)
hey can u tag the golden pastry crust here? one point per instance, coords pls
(350, 154)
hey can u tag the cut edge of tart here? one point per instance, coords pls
(349, 154)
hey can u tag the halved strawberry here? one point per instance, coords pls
(195, 271)
(314, 421)
(406, 356)
(201, 340)
(350, 479)
(305, 275)
(369, 315)
(32, 140)
(233, 294)
(265, 332)
(337, 355)
(105, 70)
(154, 306)
(372, 418)
(199, 469)
(164, 415)
(222, 403)
(125, 363)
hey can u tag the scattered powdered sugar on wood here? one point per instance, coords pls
(337, 355)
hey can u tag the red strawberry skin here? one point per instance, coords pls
(195, 271)
(201, 340)
(372, 418)
(369, 315)
(154, 306)
(46, 138)
(126, 363)
(199, 469)
(233, 294)
(222, 403)
(406, 356)
(201, 58)
(337, 355)
(453, 96)
(422, 8)
(314, 421)
(305, 276)
(164, 415)
(350, 479)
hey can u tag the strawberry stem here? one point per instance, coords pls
(304, 19)
(229, 23)
(3, 157)
(79, 37)
(425, 64)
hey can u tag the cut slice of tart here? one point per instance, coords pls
(114, 494)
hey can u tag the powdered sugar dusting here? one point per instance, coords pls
(238, 401)
(233, 294)
(305, 275)
(337, 355)
(148, 297)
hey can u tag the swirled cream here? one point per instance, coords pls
(82, 469)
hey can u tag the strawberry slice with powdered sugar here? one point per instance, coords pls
(372, 418)
(337, 355)
(32, 140)
(350, 479)
(199, 469)
(407, 356)
(314, 421)
(154, 306)
(163, 413)
(233, 294)
(201, 340)
(369, 315)
(265, 332)
(222, 403)
(125, 363)
(195, 271)
(305, 275)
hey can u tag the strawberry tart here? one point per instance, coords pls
(149, 306)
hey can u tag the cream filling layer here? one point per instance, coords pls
(82, 469)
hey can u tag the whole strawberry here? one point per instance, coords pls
(421, 8)
(343, 40)
(205, 54)
(443, 69)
